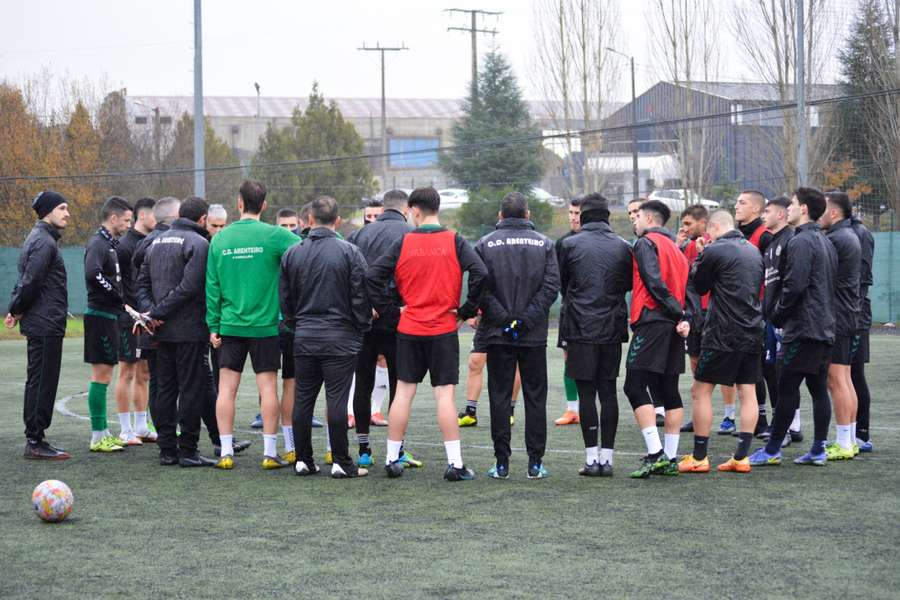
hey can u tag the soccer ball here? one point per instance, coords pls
(52, 501)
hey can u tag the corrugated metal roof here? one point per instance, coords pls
(762, 92)
(351, 108)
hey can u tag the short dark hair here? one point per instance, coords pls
(114, 205)
(576, 201)
(698, 212)
(324, 210)
(253, 193)
(758, 196)
(305, 211)
(782, 201)
(841, 200)
(639, 200)
(374, 203)
(659, 209)
(426, 199)
(193, 208)
(144, 204)
(395, 199)
(593, 201)
(813, 199)
(514, 206)
(286, 213)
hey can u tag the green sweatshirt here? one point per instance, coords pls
(242, 278)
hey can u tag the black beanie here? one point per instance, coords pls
(44, 203)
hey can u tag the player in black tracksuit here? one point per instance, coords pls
(323, 300)
(523, 282)
(39, 304)
(860, 346)
(731, 270)
(170, 291)
(805, 313)
(374, 240)
(596, 273)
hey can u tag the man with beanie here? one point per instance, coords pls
(39, 303)
(105, 306)
(523, 281)
(170, 286)
(595, 269)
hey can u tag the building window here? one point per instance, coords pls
(140, 120)
(165, 120)
(424, 153)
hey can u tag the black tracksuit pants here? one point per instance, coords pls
(789, 401)
(208, 413)
(501, 366)
(183, 378)
(375, 342)
(336, 372)
(44, 361)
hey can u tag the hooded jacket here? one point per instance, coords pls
(731, 269)
(322, 292)
(595, 271)
(374, 240)
(805, 309)
(171, 282)
(40, 294)
(522, 283)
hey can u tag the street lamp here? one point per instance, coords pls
(636, 182)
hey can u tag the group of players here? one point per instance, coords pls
(761, 301)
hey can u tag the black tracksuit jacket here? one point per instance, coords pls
(40, 294)
(322, 291)
(846, 281)
(125, 251)
(731, 268)
(595, 272)
(773, 261)
(172, 282)
(522, 283)
(867, 248)
(102, 274)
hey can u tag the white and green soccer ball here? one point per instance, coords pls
(52, 501)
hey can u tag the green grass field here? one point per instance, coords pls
(140, 530)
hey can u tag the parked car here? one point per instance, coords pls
(678, 200)
(542, 195)
(453, 197)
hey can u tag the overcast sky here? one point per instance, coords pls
(284, 45)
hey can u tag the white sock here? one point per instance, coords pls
(853, 430)
(843, 437)
(96, 436)
(661, 411)
(651, 439)
(572, 406)
(672, 445)
(590, 455)
(106, 433)
(729, 411)
(393, 451)
(227, 442)
(454, 453)
(125, 422)
(327, 437)
(795, 424)
(606, 456)
(382, 383)
(140, 421)
(352, 393)
(287, 432)
(270, 444)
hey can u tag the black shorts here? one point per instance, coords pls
(478, 345)
(265, 355)
(842, 351)
(728, 368)
(593, 362)
(437, 355)
(286, 344)
(129, 351)
(808, 357)
(692, 343)
(101, 340)
(859, 348)
(657, 348)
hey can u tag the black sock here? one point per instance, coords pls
(471, 407)
(746, 438)
(657, 456)
(365, 449)
(701, 443)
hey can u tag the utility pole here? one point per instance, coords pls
(800, 93)
(474, 31)
(384, 145)
(635, 173)
(199, 121)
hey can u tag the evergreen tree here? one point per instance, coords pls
(221, 186)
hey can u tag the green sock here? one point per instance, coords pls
(97, 405)
(571, 389)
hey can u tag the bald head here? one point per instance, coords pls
(720, 223)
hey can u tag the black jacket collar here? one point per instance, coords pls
(596, 226)
(45, 226)
(161, 227)
(661, 231)
(811, 226)
(391, 214)
(734, 233)
(104, 233)
(842, 224)
(188, 225)
(515, 223)
(749, 228)
(321, 232)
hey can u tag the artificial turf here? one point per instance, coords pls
(141, 530)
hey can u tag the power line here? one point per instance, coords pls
(474, 31)
(384, 145)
